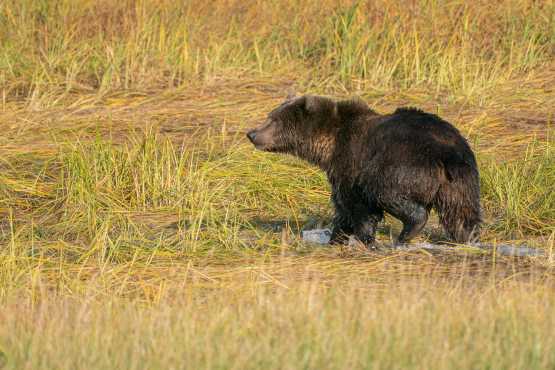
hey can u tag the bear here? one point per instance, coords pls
(405, 163)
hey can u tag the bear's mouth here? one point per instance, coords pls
(265, 147)
(261, 145)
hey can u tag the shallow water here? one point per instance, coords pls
(322, 236)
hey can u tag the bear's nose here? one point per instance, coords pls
(250, 135)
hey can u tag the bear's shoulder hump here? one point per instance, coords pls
(413, 110)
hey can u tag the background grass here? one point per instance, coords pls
(138, 228)
(52, 50)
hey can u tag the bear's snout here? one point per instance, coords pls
(257, 138)
(262, 136)
(250, 135)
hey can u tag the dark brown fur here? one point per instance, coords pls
(404, 163)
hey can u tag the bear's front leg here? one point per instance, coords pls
(341, 229)
(365, 228)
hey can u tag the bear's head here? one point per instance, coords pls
(302, 126)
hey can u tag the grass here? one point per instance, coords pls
(139, 229)
(522, 191)
(53, 52)
(374, 323)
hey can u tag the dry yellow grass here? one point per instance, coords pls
(283, 312)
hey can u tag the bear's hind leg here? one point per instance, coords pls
(465, 231)
(414, 217)
(459, 209)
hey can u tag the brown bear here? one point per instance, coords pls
(404, 163)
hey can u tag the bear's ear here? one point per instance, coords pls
(308, 103)
(290, 96)
(358, 99)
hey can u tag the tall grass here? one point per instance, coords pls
(204, 194)
(50, 50)
(521, 192)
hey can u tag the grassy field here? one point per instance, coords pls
(140, 229)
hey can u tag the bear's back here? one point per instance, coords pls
(411, 138)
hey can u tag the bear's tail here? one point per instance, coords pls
(458, 206)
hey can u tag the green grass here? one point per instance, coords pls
(521, 192)
(209, 187)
